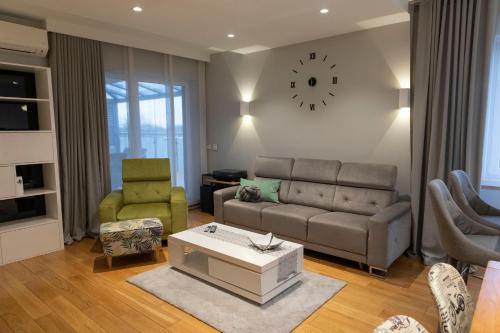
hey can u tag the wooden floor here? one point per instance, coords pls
(72, 290)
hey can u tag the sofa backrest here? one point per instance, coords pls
(275, 168)
(313, 183)
(146, 180)
(365, 188)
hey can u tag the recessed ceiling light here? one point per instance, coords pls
(324, 11)
(137, 9)
(230, 35)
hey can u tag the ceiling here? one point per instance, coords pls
(204, 24)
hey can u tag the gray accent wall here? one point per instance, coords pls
(362, 123)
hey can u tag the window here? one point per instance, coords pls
(149, 112)
(491, 157)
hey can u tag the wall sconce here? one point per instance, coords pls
(244, 108)
(404, 98)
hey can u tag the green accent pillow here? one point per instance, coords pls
(268, 188)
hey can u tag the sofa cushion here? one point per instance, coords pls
(288, 220)
(378, 176)
(363, 201)
(283, 191)
(273, 167)
(268, 188)
(140, 211)
(311, 194)
(343, 231)
(245, 213)
(317, 171)
(146, 192)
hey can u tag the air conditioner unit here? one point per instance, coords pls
(22, 39)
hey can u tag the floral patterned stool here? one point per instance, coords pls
(131, 237)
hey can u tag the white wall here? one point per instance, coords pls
(361, 123)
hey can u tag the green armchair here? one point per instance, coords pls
(147, 192)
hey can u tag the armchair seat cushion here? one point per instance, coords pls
(140, 211)
(343, 231)
(289, 220)
(245, 213)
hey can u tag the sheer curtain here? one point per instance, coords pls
(154, 110)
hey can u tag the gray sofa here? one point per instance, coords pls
(349, 210)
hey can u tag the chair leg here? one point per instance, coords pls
(109, 261)
(157, 253)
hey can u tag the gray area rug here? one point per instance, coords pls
(228, 312)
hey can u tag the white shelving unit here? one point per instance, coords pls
(26, 238)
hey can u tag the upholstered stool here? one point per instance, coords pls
(131, 237)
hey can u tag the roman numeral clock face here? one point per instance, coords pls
(313, 82)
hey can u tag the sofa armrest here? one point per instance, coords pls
(221, 196)
(389, 233)
(179, 209)
(110, 206)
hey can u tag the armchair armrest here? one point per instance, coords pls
(110, 206)
(389, 233)
(221, 196)
(179, 209)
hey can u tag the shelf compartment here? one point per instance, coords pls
(26, 147)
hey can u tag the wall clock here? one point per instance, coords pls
(313, 82)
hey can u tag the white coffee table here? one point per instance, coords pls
(236, 267)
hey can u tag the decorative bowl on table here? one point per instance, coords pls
(265, 242)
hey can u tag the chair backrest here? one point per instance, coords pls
(465, 195)
(146, 180)
(452, 299)
(400, 324)
(453, 224)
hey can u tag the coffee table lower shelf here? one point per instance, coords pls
(218, 272)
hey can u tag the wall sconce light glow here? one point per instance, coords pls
(137, 9)
(230, 35)
(244, 108)
(324, 11)
(404, 98)
(247, 119)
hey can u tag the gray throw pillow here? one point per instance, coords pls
(250, 194)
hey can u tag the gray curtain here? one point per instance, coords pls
(449, 62)
(82, 132)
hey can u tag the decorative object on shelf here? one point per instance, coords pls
(265, 242)
(313, 72)
(250, 194)
(19, 186)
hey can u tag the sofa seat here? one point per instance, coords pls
(245, 213)
(343, 231)
(139, 211)
(289, 220)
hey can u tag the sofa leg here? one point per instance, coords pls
(361, 266)
(377, 272)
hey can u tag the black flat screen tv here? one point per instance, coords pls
(18, 116)
(17, 84)
(21, 208)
